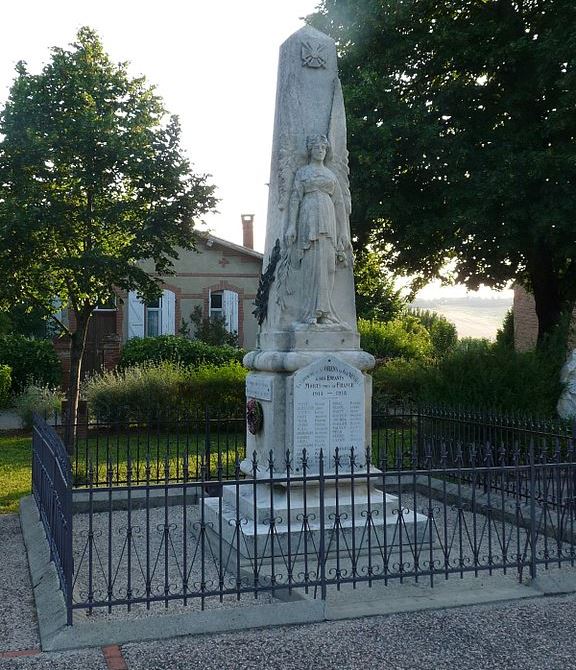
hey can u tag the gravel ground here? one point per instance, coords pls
(18, 628)
(538, 635)
(529, 635)
(462, 532)
(85, 659)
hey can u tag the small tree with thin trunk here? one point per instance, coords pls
(92, 181)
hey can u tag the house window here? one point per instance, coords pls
(107, 305)
(153, 318)
(224, 304)
(153, 323)
(216, 304)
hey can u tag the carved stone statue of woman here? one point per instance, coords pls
(318, 226)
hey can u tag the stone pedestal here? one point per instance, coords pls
(322, 408)
(317, 499)
(281, 536)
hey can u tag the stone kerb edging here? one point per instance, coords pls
(49, 599)
(55, 635)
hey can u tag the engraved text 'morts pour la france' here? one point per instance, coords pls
(329, 414)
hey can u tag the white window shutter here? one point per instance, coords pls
(168, 313)
(230, 309)
(135, 316)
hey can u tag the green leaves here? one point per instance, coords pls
(92, 181)
(462, 136)
(376, 296)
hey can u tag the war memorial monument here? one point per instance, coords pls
(308, 392)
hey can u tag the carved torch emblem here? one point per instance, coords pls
(313, 54)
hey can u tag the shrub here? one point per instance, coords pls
(5, 385)
(443, 332)
(175, 349)
(211, 329)
(399, 380)
(43, 400)
(505, 334)
(166, 389)
(401, 338)
(139, 391)
(476, 373)
(32, 361)
(222, 388)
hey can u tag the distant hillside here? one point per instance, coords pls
(473, 317)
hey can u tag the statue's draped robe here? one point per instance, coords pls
(318, 205)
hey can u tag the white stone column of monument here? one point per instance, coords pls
(308, 371)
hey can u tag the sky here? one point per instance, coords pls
(213, 62)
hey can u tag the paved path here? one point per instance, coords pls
(9, 420)
(527, 635)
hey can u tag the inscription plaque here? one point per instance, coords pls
(329, 414)
(259, 387)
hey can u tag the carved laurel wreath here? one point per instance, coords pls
(254, 416)
(266, 279)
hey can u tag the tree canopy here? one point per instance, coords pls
(377, 298)
(92, 181)
(462, 138)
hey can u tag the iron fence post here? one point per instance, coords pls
(69, 556)
(207, 442)
(533, 529)
(322, 548)
(419, 441)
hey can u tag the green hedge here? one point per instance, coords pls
(32, 361)
(405, 337)
(5, 385)
(476, 373)
(442, 332)
(166, 389)
(175, 349)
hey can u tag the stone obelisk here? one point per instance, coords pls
(308, 393)
(305, 303)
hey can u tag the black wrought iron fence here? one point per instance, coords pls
(399, 432)
(52, 489)
(280, 528)
(411, 436)
(177, 511)
(111, 448)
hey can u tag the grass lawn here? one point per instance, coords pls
(161, 448)
(15, 471)
(15, 457)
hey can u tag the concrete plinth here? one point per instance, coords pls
(339, 525)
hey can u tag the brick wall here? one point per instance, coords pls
(526, 322)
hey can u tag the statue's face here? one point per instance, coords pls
(318, 151)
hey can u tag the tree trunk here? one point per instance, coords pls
(77, 346)
(546, 290)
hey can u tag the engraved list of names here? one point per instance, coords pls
(328, 413)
